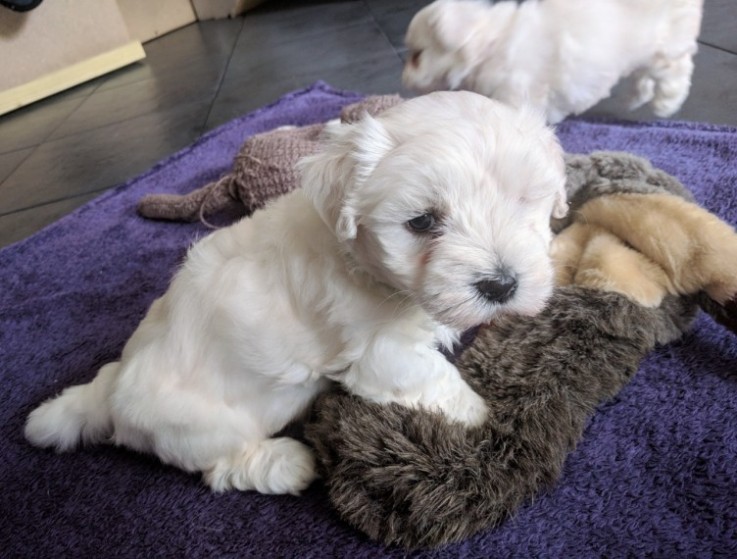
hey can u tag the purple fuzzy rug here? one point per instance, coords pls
(655, 476)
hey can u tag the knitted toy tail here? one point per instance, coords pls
(264, 168)
(190, 207)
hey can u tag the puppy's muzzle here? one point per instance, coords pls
(498, 289)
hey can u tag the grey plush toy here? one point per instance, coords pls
(409, 477)
(609, 172)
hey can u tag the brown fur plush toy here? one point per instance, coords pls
(630, 261)
(409, 477)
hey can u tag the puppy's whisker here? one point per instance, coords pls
(401, 307)
(476, 300)
(403, 293)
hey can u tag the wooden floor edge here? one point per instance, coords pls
(70, 76)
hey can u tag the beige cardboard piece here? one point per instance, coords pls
(58, 45)
(216, 9)
(147, 19)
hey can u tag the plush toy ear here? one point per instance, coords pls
(333, 177)
(724, 314)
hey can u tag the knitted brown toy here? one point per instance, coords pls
(264, 168)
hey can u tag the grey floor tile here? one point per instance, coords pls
(107, 106)
(339, 57)
(31, 125)
(393, 17)
(719, 24)
(19, 225)
(181, 55)
(242, 98)
(713, 95)
(81, 90)
(10, 161)
(280, 22)
(376, 75)
(100, 158)
(309, 56)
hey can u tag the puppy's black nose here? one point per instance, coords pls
(499, 289)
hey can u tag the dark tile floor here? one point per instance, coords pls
(61, 152)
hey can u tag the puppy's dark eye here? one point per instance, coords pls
(414, 58)
(422, 223)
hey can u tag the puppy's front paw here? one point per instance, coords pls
(466, 407)
(273, 466)
(292, 467)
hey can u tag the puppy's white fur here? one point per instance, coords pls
(560, 56)
(330, 282)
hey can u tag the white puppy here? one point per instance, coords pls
(560, 56)
(410, 228)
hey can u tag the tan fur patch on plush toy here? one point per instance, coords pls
(590, 256)
(645, 246)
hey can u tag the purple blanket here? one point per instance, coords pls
(656, 474)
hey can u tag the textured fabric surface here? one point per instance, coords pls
(655, 473)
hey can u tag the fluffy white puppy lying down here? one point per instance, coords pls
(560, 56)
(410, 228)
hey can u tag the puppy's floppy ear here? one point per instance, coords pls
(465, 28)
(451, 24)
(334, 176)
(447, 24)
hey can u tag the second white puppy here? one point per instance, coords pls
(410, 228)
(560, 56)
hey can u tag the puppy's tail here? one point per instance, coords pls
(78, 414)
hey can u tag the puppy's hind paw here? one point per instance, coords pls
(641, 93)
